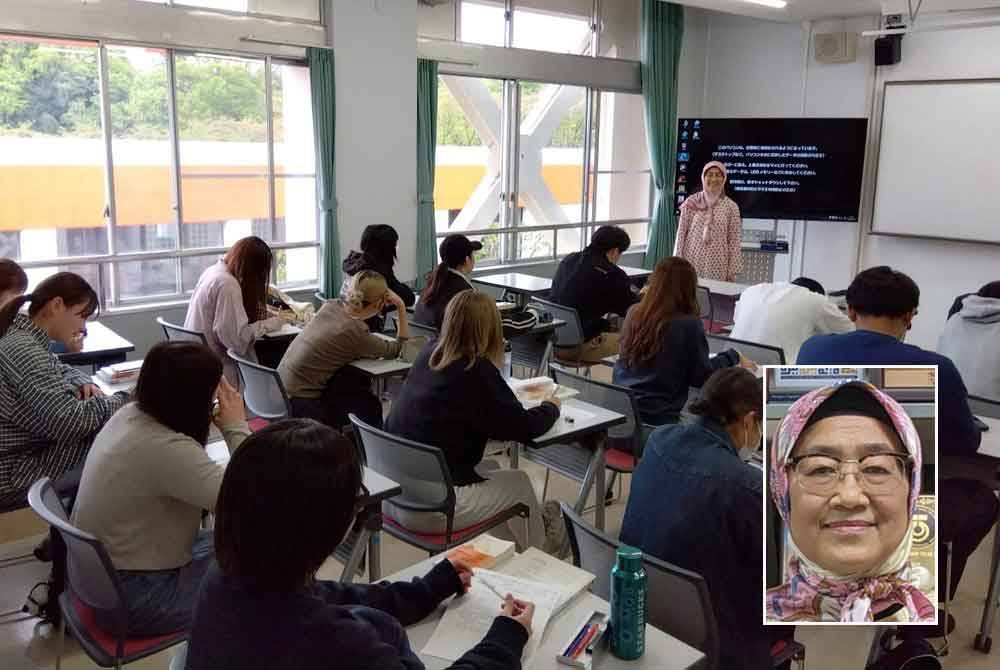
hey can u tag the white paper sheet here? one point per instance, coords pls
(469, 617)
(535, 565)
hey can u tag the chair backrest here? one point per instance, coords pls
(533, 352)
(677, 600)
(765, 354)
(570, 335)
(704, 302)
(174, 332)
(419, 469)
(984, 407)
(430, 332)
(624, 436)
(91, 576)
(263, 392)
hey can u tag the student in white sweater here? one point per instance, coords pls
(147, 480)
(971, 339)
(786, 315)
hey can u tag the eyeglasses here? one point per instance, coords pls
(878, 474)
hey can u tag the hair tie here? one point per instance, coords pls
(28, 297)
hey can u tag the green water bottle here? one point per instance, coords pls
(628, 604)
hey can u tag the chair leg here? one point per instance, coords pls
(943, 650)
(545, 488)
(62, 641)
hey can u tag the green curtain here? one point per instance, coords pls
(662, 32)
(427, 87)
(324, 109)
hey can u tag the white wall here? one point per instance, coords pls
(376, 70)
(758, 68)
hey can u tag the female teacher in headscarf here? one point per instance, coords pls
(845, 476)
(710, 229)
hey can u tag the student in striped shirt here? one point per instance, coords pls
(49, 412)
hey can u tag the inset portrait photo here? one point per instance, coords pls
(850, 512)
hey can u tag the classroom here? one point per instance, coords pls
(499, 334)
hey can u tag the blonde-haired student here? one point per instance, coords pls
(315, 370)
(456, 399)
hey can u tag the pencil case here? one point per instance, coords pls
(578, 651)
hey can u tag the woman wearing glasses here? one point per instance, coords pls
(845, 476)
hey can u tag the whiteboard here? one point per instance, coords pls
(939, 160)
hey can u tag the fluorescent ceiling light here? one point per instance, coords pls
(776, 4)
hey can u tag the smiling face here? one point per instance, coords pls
(714, 180)
(852, 529)
(64, 323)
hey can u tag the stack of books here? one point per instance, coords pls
(120, 373)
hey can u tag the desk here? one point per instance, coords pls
(522, 285)
(102, 346)
(663, 651)
(725, 288)
(637, 276)
(380, 368)
(587, 424)
(287, 331)
(377, 490)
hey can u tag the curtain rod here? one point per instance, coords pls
(280, 43)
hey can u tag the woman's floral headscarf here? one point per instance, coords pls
(814, 594)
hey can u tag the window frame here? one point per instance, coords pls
(109, 291)
(321, 21)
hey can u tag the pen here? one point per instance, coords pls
(576, 640)
(492, 588)
(591, 631)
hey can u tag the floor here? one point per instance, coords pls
(26, 645)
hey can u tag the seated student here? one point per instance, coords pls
(663, 347)
(591, 282)
(882, 303)
(455, 398)
(147, 479)
(849, 538)
(262, 605)
(13, 280)
(228, 303)
(46, 432)
(786, 315)
(315, 368)
(690, 479)
(378, 254)
(972, 340)
(451, 276)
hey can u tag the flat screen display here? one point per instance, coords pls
(795, 169)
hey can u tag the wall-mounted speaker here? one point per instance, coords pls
(888, 50)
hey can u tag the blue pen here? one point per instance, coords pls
(576, 640)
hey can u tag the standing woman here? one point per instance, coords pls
(711, 229)
(228, 302)
(49, 412)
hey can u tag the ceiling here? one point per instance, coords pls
(805, 10)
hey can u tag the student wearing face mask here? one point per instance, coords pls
(710, 230)
(690, 479)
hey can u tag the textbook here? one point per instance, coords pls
(483, 552)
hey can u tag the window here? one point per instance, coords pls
(195, 152)
(563, 27)
(304, 10)
(542, 199)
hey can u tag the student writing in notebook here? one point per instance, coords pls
(262, 605)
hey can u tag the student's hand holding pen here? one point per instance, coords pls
(553, 399)
(520, 611)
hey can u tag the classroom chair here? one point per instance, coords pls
(764, 354)
(625, 441)
(567, 337)
(92, 584)
(263, 392)
(984, 641)
(416, 328)
(705, 309)
(423, 474)
(175, 333)
(677, 600)
(533, 353)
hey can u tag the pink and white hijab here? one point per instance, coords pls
(815, 594)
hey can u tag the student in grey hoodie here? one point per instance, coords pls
(971, 338)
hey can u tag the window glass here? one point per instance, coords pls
(561, 26)
(222, 123)
(52, 155)
(482, 22)
(622, 184)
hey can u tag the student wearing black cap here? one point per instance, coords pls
(451, 276)
(591, 282)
